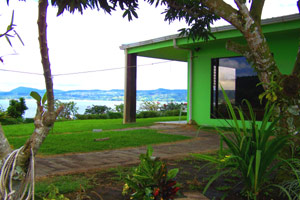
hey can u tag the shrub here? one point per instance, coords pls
(148, 114)
(171, 106)
(95, 109)
(82, 117)
(149, 106)
(119, 108)
(253, 148)
(10, 121)
(151, 179)
(16, 108)
(173, 113)
(69, 111)
(114, 115)
(28, 120)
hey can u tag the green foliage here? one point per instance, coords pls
(151, 179)
(253, 148)
(96, 110)
(8, 35)
(54, 194)
(16, 108)
(149, 106)
(148, 114)
(91, 116)
(114, 115)
(200, 22)
(173, 113)
(291, 180)
(172, 106)
(2, 114)
(119, 108)
(9, 120)
(62, 184)
(108, 6)
(69, 111)
(40, 101)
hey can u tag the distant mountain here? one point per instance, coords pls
(107, 95)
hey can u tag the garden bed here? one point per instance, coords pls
(193, 176)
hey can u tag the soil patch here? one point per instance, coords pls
(193, 176)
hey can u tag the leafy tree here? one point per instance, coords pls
(149, 106)
(16, 108)
(69, 109)
(119, 108)
(96, 110)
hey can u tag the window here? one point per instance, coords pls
(239, 81)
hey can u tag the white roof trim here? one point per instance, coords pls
(215, 29)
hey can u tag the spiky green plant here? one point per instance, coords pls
(253, 146)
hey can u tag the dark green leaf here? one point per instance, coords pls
(172, 173)
(36, 96)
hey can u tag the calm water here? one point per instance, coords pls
(81, 104)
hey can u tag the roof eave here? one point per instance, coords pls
(213, 30)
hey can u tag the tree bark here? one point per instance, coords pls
(44, 120)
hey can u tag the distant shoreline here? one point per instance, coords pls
(162, 95)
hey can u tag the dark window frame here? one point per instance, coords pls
(214, 114)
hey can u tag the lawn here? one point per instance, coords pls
(84, 125)
(84, 141)
(77, 136)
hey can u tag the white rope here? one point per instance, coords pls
(7, 174)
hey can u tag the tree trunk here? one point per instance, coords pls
(43, 120)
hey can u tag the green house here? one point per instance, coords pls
(210, 65)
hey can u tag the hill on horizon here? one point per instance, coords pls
(161, 94)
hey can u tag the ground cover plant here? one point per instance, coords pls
(151, 179)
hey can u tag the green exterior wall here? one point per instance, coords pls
(283, 44)
(283, 39)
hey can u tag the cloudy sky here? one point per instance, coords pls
(90, 42)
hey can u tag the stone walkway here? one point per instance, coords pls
(83, 162)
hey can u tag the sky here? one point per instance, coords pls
(90, 42)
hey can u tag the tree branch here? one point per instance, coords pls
(239, 49)
(242, 7)
(224, 10)
(256, 10)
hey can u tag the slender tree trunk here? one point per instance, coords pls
(43, 120)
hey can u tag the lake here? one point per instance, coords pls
(81, 104)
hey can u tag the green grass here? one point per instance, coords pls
(77, 136)
(84, 141)
(65, 184)
(84, 125)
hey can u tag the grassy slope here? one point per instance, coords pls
(84, 125)
(77, 136)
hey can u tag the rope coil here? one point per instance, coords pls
(7, 175)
